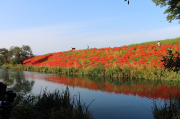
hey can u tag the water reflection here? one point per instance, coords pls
(16, 81)
(143, 88)
(113, 98)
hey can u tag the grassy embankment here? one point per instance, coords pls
(134, 61)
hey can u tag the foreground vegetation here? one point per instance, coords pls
(169, 110)
(54, 105)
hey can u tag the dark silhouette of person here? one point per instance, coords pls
(2, 90)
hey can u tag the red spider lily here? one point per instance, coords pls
(142, 55)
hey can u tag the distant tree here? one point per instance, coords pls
(20, 53)
(5, 55)
(1, 60)
(173, 9)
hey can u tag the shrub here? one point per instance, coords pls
(15, 61)
(172, 61)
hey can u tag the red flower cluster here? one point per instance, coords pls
(149, 56)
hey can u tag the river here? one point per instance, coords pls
(114, 98)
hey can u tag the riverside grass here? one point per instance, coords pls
(123, 72)
(56, 105)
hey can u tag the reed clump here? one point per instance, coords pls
(170, 109)
(56, 105)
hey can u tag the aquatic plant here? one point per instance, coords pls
(170, 109)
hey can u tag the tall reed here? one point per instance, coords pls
(56, 105)
(170, 109)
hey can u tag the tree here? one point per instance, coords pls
(128, 1)
(5, 55)
(20, 53)
(172, 61)
(173, 9)
(15, 55)
(1, 60)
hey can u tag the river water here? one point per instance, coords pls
(114, 99)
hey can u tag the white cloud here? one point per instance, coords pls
(62, 37)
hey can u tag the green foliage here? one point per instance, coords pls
(21, 53)
(14, 61)
(15, 55)
(5, 55)
(1, 60)
(172, 62)
(1, 63)
(173, 9)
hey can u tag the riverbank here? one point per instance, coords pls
(123, 72)
(134, 61)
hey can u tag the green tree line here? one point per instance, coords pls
(15, 55)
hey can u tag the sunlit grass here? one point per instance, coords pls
(166, 41)
(122, 72)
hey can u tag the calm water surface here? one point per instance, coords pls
(114, 99)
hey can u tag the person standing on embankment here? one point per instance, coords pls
(159, 44)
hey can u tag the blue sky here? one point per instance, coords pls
(57, 25)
